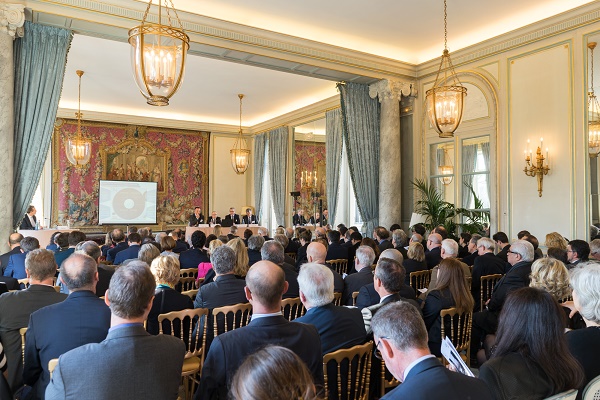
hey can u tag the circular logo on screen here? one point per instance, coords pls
(128, 203)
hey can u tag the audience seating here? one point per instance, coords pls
(337, 298)
(460, 330)
(23, 332)
(568, 395)
(487, 285)
(189, 272)
(191, 293)
(292, 308)
(349, 370)
(291, 255)
(354, 296)
(592, 390)
(195, 344)
(420, 280)
(340, 265)
(232, 317)
(51, 365)
(386, 383)
(186, 283)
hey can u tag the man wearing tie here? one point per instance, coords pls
(197, 217)
(29, 220)
(298, 219)
(233, 216)
(249, 218)
(214, 220)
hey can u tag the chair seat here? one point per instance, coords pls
(190, 365)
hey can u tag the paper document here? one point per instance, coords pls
(449, 352)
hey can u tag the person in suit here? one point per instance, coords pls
(577, 251)
(338, 327)
(255, 243)
(118, 238)
(232, 216)
(73, 238)
(17, 307)
(52, 246)
(293, 244)
(16, 263)
(265, 286)
(354, 243)
(365, 256)
(400, 242)
(301, 257)
(130, 363)
(283, 240)
(249, 218)
(472, 248)
(273, 251)
(134, 242)
(232, 232)
(325, 218)
(105, 272)
(335, 251)
(29, 221)
(298, 218)
(316, 253)
(196, 255)
(14, 242)
(449, 250)
(180, 244)
(434, 245)
(382, 237)
(520, 257)
(197, 217)
(502, 244)
(486, 264)
(401, 341)
(315, 219)
(415, 261)
(463, 244)
(53, 330)
(214, 219)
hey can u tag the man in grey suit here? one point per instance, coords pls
(130, 363)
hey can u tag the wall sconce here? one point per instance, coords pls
(538, 169)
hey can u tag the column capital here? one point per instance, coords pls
(392, 90)
(12, 18)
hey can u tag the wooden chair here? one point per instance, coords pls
(568, 395)
(592, 390)
(348, 369)
(228, 318)
(340, 265)
(420, 280)
(57, 288)
(51, 365)
(23, 333)
(387, 383)
(187, 283)
(24, 282)
(191, 293)
(194, 338)
(337, 298)
(460, 330)
(187, 272)
(292, 308)
(487, 285)
(354, 296)
(291, 255)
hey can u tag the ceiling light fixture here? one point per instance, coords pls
(158, 55)
(445, 101)
(79, 149)
(240, 154)
(593, 111)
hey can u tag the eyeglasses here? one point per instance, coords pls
(376, 351)
(511, 252)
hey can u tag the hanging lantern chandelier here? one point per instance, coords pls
(79, 149)
(593, 112)
(158, 55)
(445, 101)
(240, 154)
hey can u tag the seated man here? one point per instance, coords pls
(486, 264)
(14, 243)
(434, 245)
(363, 276)
(401, 341)
(74, 238)
(118, 238)
(16, 307)
(105, 272)
(214, 219)
(316, 253)
(82, 318)
(273, 251)
(339, 327)
(196, 218)
(196, 255)
(255, 243)
(335, 251)
(134, 240)
(249, 218)
(233, 217)
(16, 262)
(265, 286)
(130, 363)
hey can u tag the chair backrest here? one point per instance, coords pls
(228, 318)
(291, 255)
(292, 308)
(354, 296)
(568, 395)
(420, 280)
(347, 372)
(459, 328)
(387, 379)
(339, 265)
(57, 288)
(487, 285)
(23, 332)
(51, 365)
(191, 293)
(188, 272)
(337, 298)
(187, 283)
(592, 390)
(24, 282)
(192, 329)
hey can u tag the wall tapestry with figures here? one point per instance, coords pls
(310, 174)
(176, 159)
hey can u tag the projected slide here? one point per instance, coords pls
(124, 202)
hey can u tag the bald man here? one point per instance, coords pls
(316, 253)
(434, 245)
(14, 241)
(265, 284)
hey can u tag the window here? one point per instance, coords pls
(442, 162)
(476, 173)
(267, 213)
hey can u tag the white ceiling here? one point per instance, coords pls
(410, 31)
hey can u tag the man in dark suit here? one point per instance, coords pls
(486, 264)
(577, 251)
(232, 216)
(503, 245)
(335, 251)
(255, 243)
(134, 240)
(283, 240)
(520, 257)
(14, 241)
(365, 256)
(434, 245)
(315, 253)
(29, 220)
(401, 341)
(232, 232)
(339, 327)
(265, 286)
(400, 242)
(249, 218)
(273, 251)
(354, 243)
(118, 238)
(301, 256)
(298, 218)
(473, 253)
(196, 218)
(180, 244)
(196, 255)
(16, 262)
(213, 219)
(382, 237)
(130, 363)
(105, 272)
(74, 238)
(293, 245)
(17, 307)
(82, 318)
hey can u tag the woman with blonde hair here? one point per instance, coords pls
(241, 253)
(217, 230)
(415, 261)
(551, 275)
(555, 239)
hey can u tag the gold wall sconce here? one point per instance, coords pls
(536, 168)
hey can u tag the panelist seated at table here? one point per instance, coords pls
(29, 220)
(213, 219)
(249, 218)
(232, 216)
(298, 218)
(197, 217)
(315, 219)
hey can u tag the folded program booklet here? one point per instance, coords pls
(449, 352)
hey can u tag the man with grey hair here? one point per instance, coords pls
(486, 264)
(400, 338)
(255, 243)
(14, 243)
(400, 242)
(365, 256)
(284, 241)
(449, 249)
(118, 238)
(472, 248)
(16, 262)
(264, 232)
(595, 249)
(339, 327)
(520, 257)
(82, 318)
(40, 267)
(434, 245)
(293, 245)
(130, 363)
(105, 272)
(273, 251)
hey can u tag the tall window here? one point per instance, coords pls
(476, 172)
(442, 169)
(267, 214)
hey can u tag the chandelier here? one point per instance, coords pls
(593, 112)
(240, 155)
(445, 101)
(79, 149)
(446, 170)
(158, 55)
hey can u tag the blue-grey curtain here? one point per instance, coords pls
(259, 170)
(40, 58)
(360, 124)
(469, 163)
(333, 159)
(278, 146)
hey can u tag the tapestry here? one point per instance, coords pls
(176, 159)
(310, 174)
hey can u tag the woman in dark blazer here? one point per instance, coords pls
(415, 261)
(166, 299)
(450, 291)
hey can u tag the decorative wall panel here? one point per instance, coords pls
(309, 157)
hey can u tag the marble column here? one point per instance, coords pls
(12, 19)
(390, 164)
